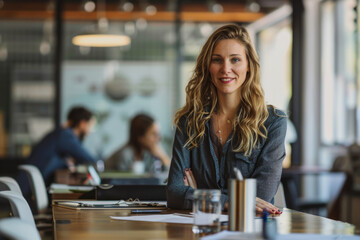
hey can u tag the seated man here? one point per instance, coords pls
(56, 149)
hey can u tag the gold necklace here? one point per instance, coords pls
(219, 130)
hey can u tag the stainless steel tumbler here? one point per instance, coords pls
(242, 201)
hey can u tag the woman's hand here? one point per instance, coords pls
(70, 162)
(261, 205)
(157, 151)
(189, 179)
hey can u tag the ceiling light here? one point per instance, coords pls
(253, 6)
(126, 6)
(45, 47)
(217, 8)
(141, 24)
(129, 28)
(150, 10)
(89, 6)
(205, 29)
(214, 6)
(100, 37)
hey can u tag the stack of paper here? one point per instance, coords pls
(229, 235)
(167, 218)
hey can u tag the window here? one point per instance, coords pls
(338, 77)
(118, 83)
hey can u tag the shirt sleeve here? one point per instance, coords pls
(269, 163)
(70, 145)
(179, 196)
(111, 162)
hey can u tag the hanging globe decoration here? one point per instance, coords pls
(147, 87)
(118, 88)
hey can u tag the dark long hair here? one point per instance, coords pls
(138, 127)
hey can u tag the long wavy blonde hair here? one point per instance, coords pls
(201, 97)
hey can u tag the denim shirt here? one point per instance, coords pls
(264, 163)
(51, 152)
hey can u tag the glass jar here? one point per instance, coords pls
(207, 211)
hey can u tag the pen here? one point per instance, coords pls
(146, 211)
(238, 174)
(269, 227)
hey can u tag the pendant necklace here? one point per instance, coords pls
(219, 130)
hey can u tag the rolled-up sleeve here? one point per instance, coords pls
(179, 196)
(269, 163)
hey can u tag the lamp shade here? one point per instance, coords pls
(98, 39)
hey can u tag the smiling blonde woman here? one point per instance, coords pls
(226, 123)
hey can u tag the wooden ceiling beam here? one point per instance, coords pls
(110, 6)
(220, 17)
(130, 16)
(25, 15)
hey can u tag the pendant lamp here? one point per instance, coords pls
(100, 36)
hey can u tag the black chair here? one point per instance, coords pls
(294, 202)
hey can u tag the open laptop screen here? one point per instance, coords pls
(95, 178)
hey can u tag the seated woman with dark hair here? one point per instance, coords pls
(143, 149)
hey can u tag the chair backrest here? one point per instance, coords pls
(19, 206)
(8, 183)
(17, 229)
(37, 185)
(279, 198)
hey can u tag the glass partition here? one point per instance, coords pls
(117, 83)
(149, 75)
(27, 84)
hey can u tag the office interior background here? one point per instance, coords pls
(308, 53)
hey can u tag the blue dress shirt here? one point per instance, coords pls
(51, 152)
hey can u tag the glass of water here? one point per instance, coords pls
(207, 211)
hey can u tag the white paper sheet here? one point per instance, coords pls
(229, 235)
(64, 188)
(167, 218)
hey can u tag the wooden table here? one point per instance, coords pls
(96, 224)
